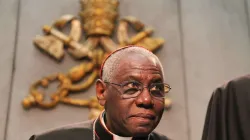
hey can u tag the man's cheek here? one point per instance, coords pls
(159, 106)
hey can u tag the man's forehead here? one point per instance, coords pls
(138, 60)
(137, 65)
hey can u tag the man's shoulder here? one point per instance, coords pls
(67, 132)
(238, 82)
(158, 136)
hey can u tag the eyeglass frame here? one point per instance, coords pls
(141, 90)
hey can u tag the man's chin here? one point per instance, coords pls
(141, 131)
(140, 128)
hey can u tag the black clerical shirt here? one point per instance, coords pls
(84, 131)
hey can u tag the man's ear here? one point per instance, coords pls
(101, 92)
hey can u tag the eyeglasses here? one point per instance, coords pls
(132, 89)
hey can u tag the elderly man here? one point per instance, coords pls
(132, 91)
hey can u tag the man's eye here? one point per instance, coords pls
(131, 91)
(157, 90)
(159, 87)
(131, 85)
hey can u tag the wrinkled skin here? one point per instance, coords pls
(138, 116)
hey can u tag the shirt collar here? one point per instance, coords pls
(102, 131)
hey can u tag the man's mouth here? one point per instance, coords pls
(144, 116)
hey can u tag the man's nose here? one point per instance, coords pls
(145, 99)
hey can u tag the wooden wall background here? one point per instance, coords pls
(207, 43)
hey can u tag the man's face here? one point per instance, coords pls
(136, 116)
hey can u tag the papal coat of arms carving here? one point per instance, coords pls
(97, 20)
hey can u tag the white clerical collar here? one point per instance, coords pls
(115, 137)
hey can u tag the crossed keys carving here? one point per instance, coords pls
(97, 21)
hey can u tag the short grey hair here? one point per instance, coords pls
(112, 62)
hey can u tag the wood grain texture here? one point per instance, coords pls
(216, 49)
(8, 21)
